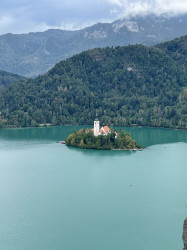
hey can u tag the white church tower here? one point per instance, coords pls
(96, 126)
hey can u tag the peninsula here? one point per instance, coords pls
(102, 139)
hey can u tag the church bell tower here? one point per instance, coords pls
(96, 126)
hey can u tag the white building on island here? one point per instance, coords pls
(105, 130)
(96, 126)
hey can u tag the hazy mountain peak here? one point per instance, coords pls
(35, 53)
(131, 26)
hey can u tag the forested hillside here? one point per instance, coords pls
(7, 78)
(177, 49)
(132, 85)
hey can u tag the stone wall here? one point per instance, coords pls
(185, 234)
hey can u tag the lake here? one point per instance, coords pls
(53, 197)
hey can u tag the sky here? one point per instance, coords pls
(24, 16)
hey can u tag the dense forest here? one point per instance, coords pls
(127, 86)
(85, 138)
(7, 78)
(177, 49)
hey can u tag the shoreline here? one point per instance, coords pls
(113, 149)
(128, 149)
(66, 125)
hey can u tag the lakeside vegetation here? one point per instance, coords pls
(128, 86)
(84, 138)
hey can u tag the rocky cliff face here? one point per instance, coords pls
(185, 234)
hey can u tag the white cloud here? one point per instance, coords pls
(113, 11)
(5, 21)
(15, 25)
(22, 16)
(158, 7)
(117, 2)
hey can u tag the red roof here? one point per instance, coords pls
(101, 131)
(104, 130)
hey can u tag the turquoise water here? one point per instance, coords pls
(53, 197)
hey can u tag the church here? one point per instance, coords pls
(105, 130)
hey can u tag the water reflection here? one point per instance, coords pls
(101, 153)
(152, 136)
(143, 136)
(47, 133)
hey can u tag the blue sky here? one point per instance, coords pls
(23, 16)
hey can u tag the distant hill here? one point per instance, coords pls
(8, 78)
(132, 85)
(176, 49)
(35, 53)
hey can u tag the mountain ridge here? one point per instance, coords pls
(35, 53)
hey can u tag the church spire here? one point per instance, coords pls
(96, 117)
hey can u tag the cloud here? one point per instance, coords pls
(5, 20)
(116, 2)
(22, 16)
(158, 7)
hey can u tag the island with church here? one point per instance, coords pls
(102, 138)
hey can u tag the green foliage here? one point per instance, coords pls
(128, 86)
(85, 138)
(177, 49)
(8, 78)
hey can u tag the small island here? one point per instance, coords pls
(101, 139)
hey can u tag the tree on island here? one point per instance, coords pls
(84, 138)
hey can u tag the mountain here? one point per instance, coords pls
(8, 78)
(131, 85)
(35, 53)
